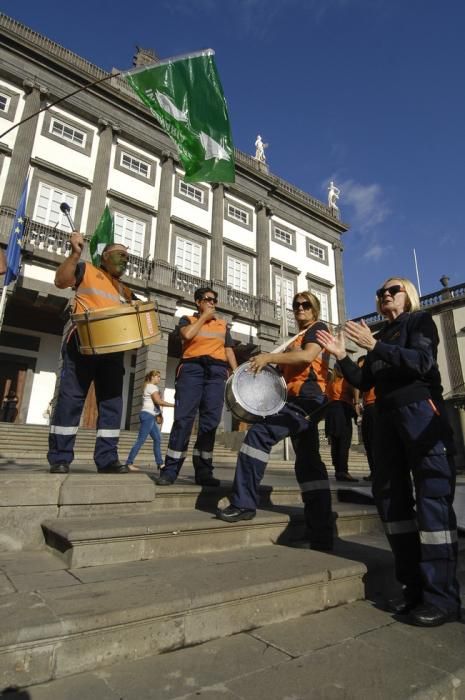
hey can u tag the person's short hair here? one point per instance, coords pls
(412, 302)
(201, 291)
(314, 301)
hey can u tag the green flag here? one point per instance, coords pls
(186, 97)
(103, 235)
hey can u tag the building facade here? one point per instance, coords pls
(256, 241)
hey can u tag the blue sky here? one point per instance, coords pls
(369, 93)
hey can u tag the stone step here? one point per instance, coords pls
(109, 540)
(61, 622)
(28, 498)
(355, 651)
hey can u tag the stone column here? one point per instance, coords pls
(339, 274)
(216, 252)
(451, 348)
(263, 250)
(153, 356)
(164, 207)
(98, 196)
(21, 155)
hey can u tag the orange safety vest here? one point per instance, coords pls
(99, 290)
(340, 390)
(209, 340)
(296, 376)
(369, 397)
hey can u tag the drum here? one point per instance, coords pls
(117, 328)
(251, 397)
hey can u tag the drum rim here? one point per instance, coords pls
(234, 379)
(123, 309)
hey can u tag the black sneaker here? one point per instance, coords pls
(232, 514)
(114, 468)
(164, 481)
(62, 468)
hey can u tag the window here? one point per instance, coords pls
(47, 209)
(4, 102)
(130, 232)
(284, 291)
(237, 274)
(190, 191)
(317, 251)
(323, 298)
(238, 214)
(283, 235)
(137, 166)
(68, 133)
(188, 256)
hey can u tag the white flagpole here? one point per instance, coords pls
(416, 269)
(3, 304)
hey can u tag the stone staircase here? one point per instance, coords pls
(103, 572)
(28, 444)
(125, 570)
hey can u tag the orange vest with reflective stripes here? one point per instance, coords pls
(99, 290)
(296, 376)
(209, 340)
(340, 390)
(369, 397)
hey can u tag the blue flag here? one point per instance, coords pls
(13, 252)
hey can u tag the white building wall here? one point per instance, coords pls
(63, 156)
(239, 235)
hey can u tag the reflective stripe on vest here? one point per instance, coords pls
(99, 290)
(208, 341)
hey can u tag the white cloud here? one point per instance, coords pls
(375, 252)
(258, 18)
(367, 204)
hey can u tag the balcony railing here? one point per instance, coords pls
(426, 302)
(160, 274)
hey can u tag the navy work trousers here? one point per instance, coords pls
(409, 442)
(338, 428)
(310, 471)
(199, 387)
(78, 371)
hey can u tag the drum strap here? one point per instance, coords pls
(282, 347)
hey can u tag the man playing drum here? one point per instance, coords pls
(200, 378)
(305, 369)
(95, 288)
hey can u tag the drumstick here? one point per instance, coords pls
(66, 209)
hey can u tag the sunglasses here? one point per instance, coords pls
(306, 305)
(392, 290)
(211, 300)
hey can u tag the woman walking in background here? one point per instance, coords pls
(149, 417)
